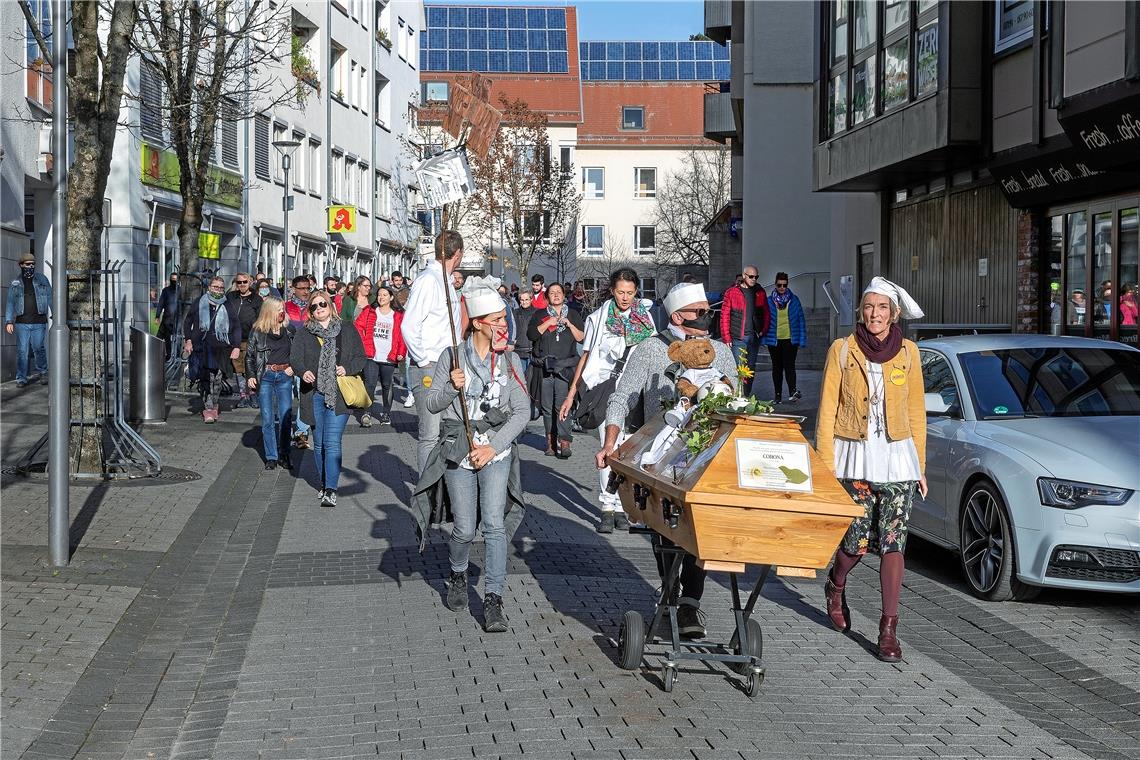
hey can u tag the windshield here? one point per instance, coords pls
(1053, 382)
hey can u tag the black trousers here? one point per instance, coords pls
(692, 576)
(783, 365)
(554, 392)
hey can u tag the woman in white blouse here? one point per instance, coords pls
(872, 429)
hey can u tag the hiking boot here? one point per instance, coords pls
(564, 449)
(796, 396)
(550, 441)
(690, 622)
(494, 619)
(621, 522)
(607, 523)
(889, 648)
(329, 499)
(366, 420)
(457, 592)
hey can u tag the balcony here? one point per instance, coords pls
(719, 121)
(718, 20)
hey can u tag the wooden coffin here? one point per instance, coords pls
(718, 513)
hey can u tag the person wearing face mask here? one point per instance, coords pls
(388, 349)
(269, 374)
(273, 291)
(247, 303)
(612, 332)
(555, 333)
(166, 312)
(25, 316)
(482, 479)
(872, 430)
(213, 332)
(639, 395)
(356, 308)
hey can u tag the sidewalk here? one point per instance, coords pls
(231, 617)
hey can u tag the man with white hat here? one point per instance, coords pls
(638, 396)
(26, 316)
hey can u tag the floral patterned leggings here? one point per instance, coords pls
(886, 516)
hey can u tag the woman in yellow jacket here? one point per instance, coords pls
(872, 430)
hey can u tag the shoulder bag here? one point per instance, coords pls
(351, 388)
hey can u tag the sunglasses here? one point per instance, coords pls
(698, 312)
(241, 282)
(781, 284)
(751, 276)
(318, 305)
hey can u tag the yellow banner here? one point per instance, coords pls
(342, 219)
(160, 168)
(209, 245)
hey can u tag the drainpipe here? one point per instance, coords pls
(330, 256)
(376, 264)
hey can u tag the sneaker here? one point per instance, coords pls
(329, 499)
(366, 420)
(795, 396)
(621, 522)
(457, 592)
(607, 523)
(777, 400)
(321, 496)
(690, 622)
(494, 619)
(271, 464)
(254, 403)
(21, 383)
(385, 419)
(409, 401)
(44, 379)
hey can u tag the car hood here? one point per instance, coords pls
(1102, 450)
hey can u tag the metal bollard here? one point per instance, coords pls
(148, 378)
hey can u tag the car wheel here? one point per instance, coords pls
(985, 541)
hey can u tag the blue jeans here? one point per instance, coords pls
(275, 386)
(30, 338)
(298, 423)
(327, 433)
(475, 494)
(749, 347)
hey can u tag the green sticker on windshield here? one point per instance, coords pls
(1001, 410)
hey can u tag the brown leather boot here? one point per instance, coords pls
(563, 449)
(837, 610)
(550, 438)
(889, 649)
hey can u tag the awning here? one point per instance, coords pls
(1104, 125)
(1053, 173)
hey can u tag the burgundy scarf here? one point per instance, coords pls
(879, 351)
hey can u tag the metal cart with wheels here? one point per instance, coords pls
(743, 651)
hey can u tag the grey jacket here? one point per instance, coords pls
(643, 380)
(444, 399)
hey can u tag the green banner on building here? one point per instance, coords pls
(160, 168)
(209, 245)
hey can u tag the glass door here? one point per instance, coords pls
(1128, 276)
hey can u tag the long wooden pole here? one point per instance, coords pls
(455, 354)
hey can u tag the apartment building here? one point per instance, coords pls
(1000, 142)
(357, 64)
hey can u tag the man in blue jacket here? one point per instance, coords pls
(26, 316)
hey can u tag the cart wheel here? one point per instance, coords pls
(631, 640)
(670, 677)
(755, 679)
(755, 646)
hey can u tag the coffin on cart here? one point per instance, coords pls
(758, 493)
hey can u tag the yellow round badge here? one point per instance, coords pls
(898, 377)
(427, 382)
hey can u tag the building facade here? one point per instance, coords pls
(998, 141)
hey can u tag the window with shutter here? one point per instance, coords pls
(150, 103)
(229, 134)
(261, 146)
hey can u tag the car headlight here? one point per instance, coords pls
(1071, 494)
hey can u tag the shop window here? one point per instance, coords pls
(1076, 269)
(926, 59)
(1128, 298)
(1055, 303)
(1103, 294)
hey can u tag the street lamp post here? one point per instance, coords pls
(286, 148)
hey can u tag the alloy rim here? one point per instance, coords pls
(983, 541)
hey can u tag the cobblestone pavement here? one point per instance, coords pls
(231, 617)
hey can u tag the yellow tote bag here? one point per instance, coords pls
(352, 389)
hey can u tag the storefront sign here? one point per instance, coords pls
(1062, 175)
(1108, 136)
(209, 245)
(773, 465)
(1013, 23)
(342, 219)
(160, 169)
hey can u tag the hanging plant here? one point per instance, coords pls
(303, 71)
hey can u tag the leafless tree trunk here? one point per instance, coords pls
(687, 200)
(95, 91)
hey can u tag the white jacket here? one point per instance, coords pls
(425, 316)
(605, 348)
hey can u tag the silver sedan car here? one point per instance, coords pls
(1033, 462)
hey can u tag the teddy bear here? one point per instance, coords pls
(696, 356)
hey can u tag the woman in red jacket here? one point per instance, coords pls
(385, 348)
(358, 307)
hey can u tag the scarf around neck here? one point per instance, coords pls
(558, 314)
(635, 326)
(326, 364)
(781, 300)
(221, 317)
(480, 378)
(879, 351)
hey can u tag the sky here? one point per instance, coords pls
(621, 19)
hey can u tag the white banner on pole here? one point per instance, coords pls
(445, 177)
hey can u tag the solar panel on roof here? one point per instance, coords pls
(691, 60)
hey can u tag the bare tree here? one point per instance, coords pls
(217, 62)
(101, 37)
(686, 200)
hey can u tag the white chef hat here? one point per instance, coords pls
(481, 294)
(684, 293)
(899, 297)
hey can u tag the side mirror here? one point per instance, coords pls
(936, 405)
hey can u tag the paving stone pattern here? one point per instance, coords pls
(251, 623)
